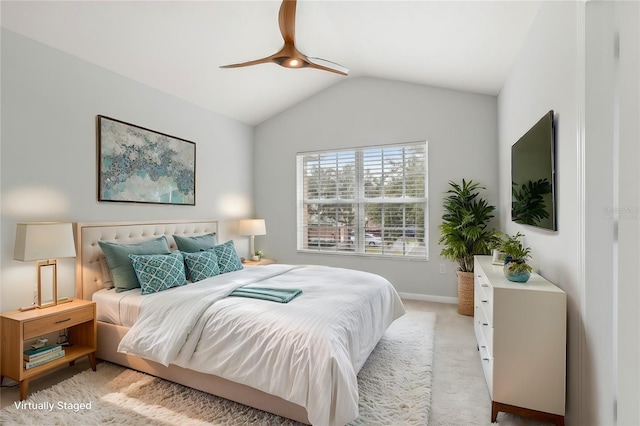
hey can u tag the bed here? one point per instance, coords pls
(274, 357)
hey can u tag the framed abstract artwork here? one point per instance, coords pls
(138, 165)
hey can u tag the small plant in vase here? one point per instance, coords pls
(258, 255)
(516, 255)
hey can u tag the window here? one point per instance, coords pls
(369, 201)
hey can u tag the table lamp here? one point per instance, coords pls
(44, 242)
(252, 227)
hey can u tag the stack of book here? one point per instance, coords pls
(42, 355)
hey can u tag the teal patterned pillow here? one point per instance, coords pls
(157, 272)
(228, 259)
(201, 265)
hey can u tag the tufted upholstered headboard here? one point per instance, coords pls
(88, 251)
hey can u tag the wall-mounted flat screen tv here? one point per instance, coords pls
(533, 176)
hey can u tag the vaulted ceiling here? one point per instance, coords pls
(178, 46)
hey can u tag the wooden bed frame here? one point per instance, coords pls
(89, 280)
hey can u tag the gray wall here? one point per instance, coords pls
(461, 129)
(49, 105)
(568, 63)
(545, 76)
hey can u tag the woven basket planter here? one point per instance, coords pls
(465, 293)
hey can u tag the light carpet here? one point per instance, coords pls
(394, 384)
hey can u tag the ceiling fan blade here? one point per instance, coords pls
(249, 63)
(287, 20)
(323, 64)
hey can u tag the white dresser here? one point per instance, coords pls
(521, 333)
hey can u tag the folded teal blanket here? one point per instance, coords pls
(281, 295)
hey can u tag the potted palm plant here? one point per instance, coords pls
(516, 255)
(464, 234)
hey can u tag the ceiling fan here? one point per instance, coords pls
(289, 56)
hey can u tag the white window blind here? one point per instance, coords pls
(369, 201)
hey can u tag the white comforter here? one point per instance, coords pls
(307, 351)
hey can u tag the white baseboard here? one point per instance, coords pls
(429, 298)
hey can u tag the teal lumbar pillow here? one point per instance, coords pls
(117, 256)
(201, 265)
(194, 244)
(157, 272)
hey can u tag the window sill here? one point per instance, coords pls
(366, 255)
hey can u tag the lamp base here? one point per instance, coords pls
(252, 248)
(47, 283)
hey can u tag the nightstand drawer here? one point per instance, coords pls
(50, 323)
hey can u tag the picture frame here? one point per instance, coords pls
(139, 165)
(498, 257)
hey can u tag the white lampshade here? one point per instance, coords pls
(252, 227)
(44, 240)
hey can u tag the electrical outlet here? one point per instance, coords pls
(443, 268)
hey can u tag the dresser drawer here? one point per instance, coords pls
(40, 326)
(484, 328)
(477, 328)
(487, 368)
(484, 294)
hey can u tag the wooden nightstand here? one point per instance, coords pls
(263, 261)
(78, 316)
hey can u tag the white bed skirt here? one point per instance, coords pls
(109, 336)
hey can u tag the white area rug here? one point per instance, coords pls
(395, 389)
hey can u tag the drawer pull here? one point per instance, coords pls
(485, 285)
(486, 359)
(485, 323)
(64, 320)
(485, 301)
